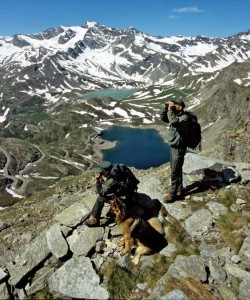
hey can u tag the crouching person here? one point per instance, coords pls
(107, 185)
(119, 180)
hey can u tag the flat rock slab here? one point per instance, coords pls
(244, 290)
(245, 248)
(81, 244)
(178, 210)
(217, 209)
(77, 279)
(32, 256)
(236, 271)
(56, 242)
(194, 163)
(40, 283)
(198, 223)
(188, 267)
(73, 215)
(174, 295)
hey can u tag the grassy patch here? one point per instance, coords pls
(120, 282)
(36, 117)
(178, 236)
(228, 225)
(160, 268)
(196, 205)
(227, 198)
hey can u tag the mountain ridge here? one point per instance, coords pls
(45, 77)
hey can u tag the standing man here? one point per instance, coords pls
(177, 138)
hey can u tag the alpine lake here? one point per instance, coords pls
(135, 147)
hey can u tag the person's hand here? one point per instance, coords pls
(170, 104)
(97, 175)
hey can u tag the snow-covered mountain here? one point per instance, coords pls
(62, 59)
(49, 126)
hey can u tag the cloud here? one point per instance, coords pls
(182, 10)
(172, 17)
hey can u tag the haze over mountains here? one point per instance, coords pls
(44, 77)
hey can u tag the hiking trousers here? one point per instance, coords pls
(98, 206)
(176, 163)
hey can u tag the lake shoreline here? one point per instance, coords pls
(101, 144)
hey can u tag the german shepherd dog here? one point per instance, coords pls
(146, 236)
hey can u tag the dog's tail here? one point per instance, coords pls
(156, 224)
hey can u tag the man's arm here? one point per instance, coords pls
(106, 188)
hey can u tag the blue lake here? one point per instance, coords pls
(117, 94)
(139, 148)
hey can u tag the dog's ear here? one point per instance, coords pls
(116, 202)
(112, 204)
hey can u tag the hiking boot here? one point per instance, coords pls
(169, 198)
(181, 193)
(92, 222)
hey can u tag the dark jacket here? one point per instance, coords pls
(178, 129)
(105, 188)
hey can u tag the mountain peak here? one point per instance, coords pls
(90, 23)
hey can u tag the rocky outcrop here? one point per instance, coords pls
(207, 256)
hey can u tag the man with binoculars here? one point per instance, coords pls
(175, 115)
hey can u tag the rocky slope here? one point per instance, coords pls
(47, 252)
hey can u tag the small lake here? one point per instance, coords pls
(117, 94)
(139, 148)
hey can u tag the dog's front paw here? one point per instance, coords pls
(124, 251)
(120, 244)
(136, 260)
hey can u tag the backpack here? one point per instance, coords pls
(125, 178)
(194, 135)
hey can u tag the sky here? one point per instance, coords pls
(211, 18)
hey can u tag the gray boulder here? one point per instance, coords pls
(198, 223)
(56, 242)
(245, 248)
(73, 215)
(188, 267)
(238, 272)
(217, 209)
(174, 295)
(216, 271)
(195, 163)
(86, 240)
(244, 290)
(41, 281)
(32, 256)
(178, 210)
(77, 279)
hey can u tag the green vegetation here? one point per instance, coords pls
(120, 282)
(226, 197)
(228, 225)
(36, 117)
(177, 235)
